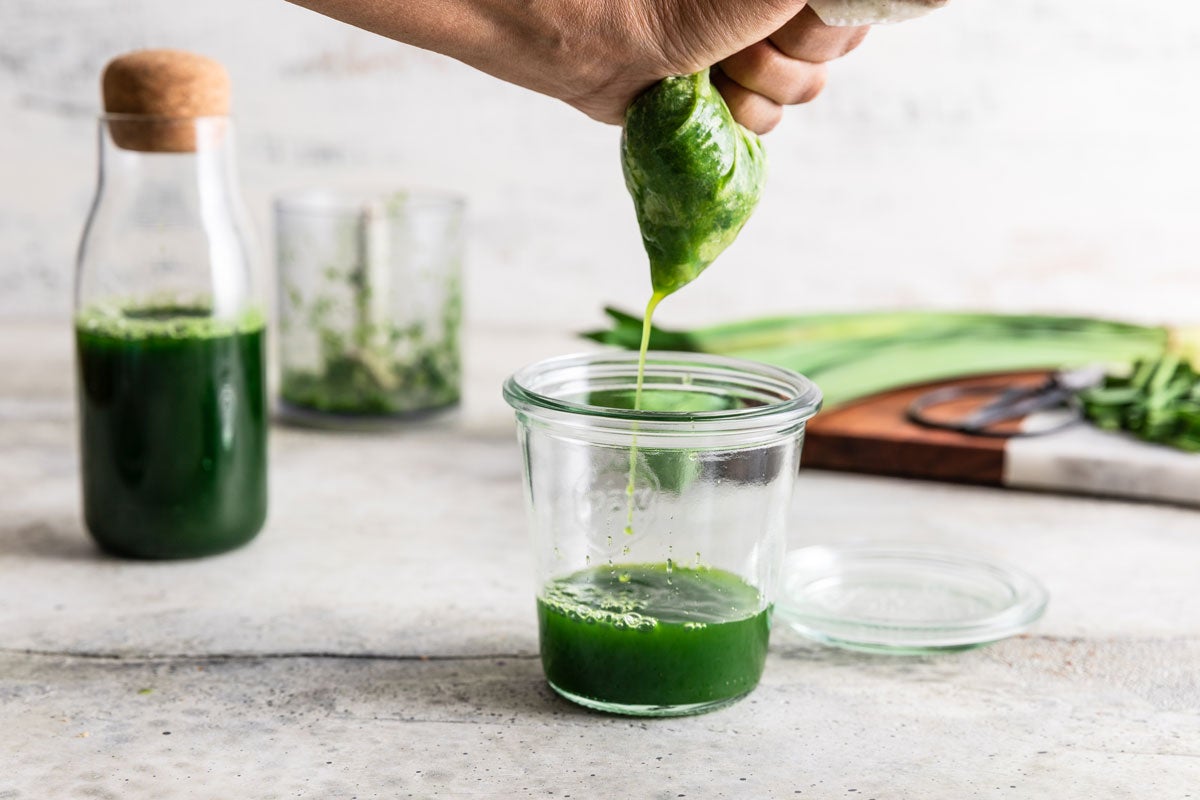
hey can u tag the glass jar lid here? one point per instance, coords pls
(905, 601)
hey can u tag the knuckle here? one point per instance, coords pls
(856, 38)
(809, 89)
(760, 57)
(785, 41)
(770, 119)
(817, 43)
(748, 64)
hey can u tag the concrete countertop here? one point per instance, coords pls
(378, 638)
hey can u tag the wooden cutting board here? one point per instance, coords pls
(873, 436)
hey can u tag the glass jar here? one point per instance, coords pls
(370, 305)
(658, 534)
(169, 332)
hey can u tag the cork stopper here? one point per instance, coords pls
(169, 89)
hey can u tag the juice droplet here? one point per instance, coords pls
(623, 577)
(629, 530)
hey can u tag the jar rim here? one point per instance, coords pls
(796, 398)
(325, 201)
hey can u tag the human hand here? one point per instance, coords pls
(768, 55)
(598, 55)
(787, 68)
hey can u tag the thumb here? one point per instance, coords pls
(698, 33)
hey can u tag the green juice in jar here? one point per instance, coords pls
(173, 429)
(637, 637)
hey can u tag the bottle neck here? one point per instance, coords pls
(172, 169)
(168, 219)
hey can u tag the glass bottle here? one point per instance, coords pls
(170, 350)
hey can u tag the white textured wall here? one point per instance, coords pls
(1004, 153)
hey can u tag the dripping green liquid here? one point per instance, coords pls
(655, 299)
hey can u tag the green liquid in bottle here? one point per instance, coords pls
(173, 430)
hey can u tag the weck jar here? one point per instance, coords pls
(658, 533)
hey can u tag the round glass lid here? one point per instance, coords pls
(896, 600)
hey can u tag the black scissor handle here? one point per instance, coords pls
(1008, 403)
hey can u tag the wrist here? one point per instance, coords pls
(593, 54)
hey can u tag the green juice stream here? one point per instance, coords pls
(173, 430)
(655, 299)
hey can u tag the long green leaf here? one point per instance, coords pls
(856, 355)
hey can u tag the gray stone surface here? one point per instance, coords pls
(378, 640)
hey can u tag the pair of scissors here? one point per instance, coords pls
(1059, 394)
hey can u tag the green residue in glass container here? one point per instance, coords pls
(371, 366)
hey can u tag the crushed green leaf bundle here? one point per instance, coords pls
(695, 176)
